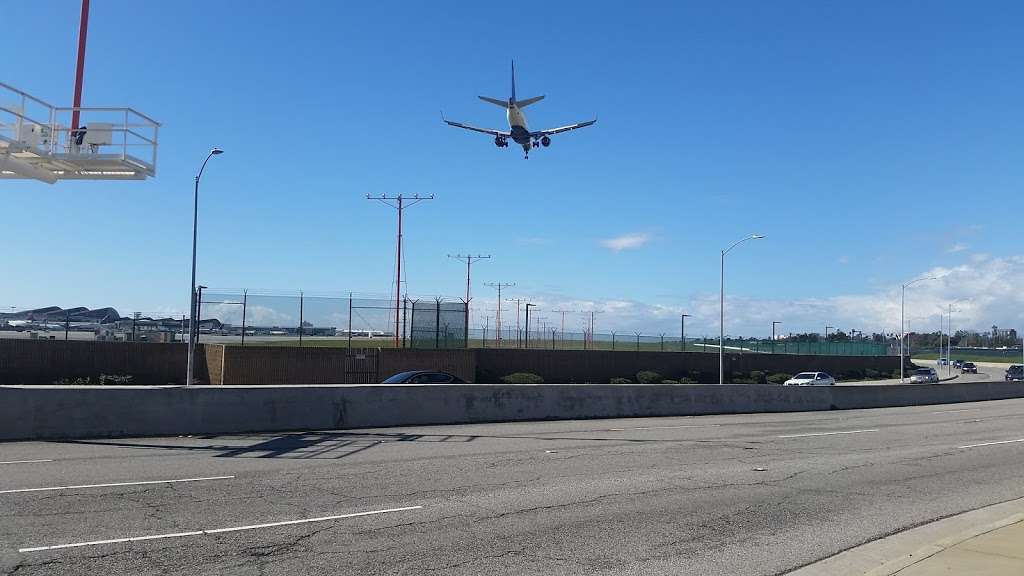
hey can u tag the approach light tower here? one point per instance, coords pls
(399, 203)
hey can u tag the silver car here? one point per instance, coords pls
(811, 379)
(924, 376)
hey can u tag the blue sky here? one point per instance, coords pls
(870, 141)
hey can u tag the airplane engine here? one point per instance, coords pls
(545, 141)
(499, 141)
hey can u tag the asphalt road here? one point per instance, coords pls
(736, 494)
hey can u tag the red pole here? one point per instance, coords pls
(398, 269)
(83, 28)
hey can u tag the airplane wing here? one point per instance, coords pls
(561, 129)
(475, 129)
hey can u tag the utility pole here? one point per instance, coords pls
(135, 319)
(590, 337)
(399, 203)
(563, 312)
(468, 259)
(497, 318)
(774, 324)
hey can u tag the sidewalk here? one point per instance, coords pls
(985, 542)
(996, 553)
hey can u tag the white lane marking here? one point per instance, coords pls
(115, 484)
(992, 443)
(215, 530)
(665, 427)
(961, 410)
(24, 461)
(828, 433)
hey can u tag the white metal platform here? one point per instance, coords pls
(37, 141)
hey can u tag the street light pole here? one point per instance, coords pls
(721, 308)
(526, 342)
(774, 323)
(190, 365)
(682, 330)
(903, 328)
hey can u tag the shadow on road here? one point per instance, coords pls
(318, 445)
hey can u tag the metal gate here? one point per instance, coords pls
(361, 366)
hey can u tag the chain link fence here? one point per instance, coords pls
(546, 337)
(251, 318)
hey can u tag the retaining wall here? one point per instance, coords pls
(40, 412)
(46, 361)
(602, 366)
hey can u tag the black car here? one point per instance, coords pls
(1015, 372)
(968, 368)
(423, 377)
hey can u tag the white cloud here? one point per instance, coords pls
(987, 290)
(626, 241)
(958, 247)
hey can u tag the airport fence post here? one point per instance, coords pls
(552, 338)
(350, 320)
(245, 304)
(405, 325)
(412, 330)
(466, 323)
(301, 304)
(637, 341)
(613, 340)
(199, 313)
(663, 342)
(67, 325)
(437, 323)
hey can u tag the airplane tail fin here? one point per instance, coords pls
(494, 101)
(528, 101)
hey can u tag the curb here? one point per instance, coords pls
(890, 554)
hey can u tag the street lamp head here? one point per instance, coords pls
(216, 151)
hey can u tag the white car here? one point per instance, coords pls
(924, 376)
(811, 379)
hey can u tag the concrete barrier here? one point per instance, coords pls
(49, 412)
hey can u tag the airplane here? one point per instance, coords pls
(518, 131)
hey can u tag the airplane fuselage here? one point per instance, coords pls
(517, 126)
(517, 129)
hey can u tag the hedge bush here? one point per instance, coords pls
(648, 377)
(522, 378)
(621, 381)
(778, 378)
